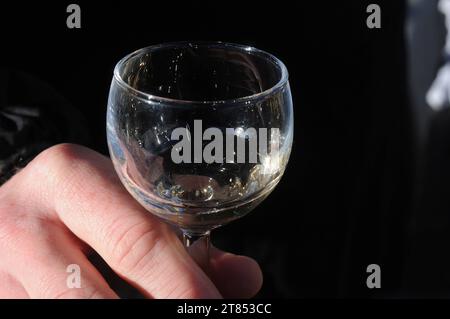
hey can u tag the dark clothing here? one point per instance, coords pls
(33, 117)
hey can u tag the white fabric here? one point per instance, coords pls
(438, 96)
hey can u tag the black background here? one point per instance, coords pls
(345, 200)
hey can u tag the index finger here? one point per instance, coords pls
(80, 187)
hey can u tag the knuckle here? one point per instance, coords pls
(22, 238)
(134, 245)
(56, 168)
(12, 220)
(56, 159)
(59, 153)
(24, 229)
(7, 229)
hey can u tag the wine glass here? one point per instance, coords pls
(199, 133)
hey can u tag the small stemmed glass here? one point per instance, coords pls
(200, 133)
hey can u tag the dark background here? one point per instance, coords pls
(346, 199)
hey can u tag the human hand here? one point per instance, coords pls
(67, 202)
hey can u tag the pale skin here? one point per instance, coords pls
(68, 202)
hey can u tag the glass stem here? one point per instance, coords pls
(197, 245)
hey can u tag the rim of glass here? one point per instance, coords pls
(240, 47)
